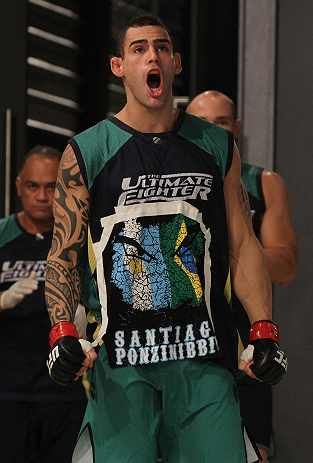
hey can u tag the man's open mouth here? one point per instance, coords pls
(154, 80)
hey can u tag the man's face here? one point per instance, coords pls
(215, 109)
(36, 185)
(148, 67)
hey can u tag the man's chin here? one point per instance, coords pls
(42, 217)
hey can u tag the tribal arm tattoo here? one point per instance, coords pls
(244, 201)
(64, 262)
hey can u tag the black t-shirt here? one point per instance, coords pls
(159, 231)
(24, 330)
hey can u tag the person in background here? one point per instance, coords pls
(271, 218)
(159, 194)
(39, 419)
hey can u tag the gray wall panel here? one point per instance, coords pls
(256, 80)
(293, 399)
(285, 85)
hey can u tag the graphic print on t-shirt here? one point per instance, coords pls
(154, 265)
(170, 187)
(21, 269)
(156, 292)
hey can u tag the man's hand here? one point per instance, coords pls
(69, 357)
(16, 293)
(263, 359)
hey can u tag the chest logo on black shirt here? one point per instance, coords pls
(171, 187)
(21, 269)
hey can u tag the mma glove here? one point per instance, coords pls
(66, 356)
(269, 361)
(16, 293)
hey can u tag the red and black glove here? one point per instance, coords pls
(66, 356)
(270, 362)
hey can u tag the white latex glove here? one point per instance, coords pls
(16, 293)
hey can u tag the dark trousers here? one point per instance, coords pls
(39, 432)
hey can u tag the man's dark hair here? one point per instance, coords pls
(42, 151)
(139, 21)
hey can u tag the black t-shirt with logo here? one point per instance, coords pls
(24, 330)
(159, 232)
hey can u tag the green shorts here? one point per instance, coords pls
(186, 409)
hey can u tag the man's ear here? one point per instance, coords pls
(18, 185)
(117, 66)
(178, 66)
(238, 127)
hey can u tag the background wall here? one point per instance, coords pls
(281, 92)
(293, 398)
(256, 80)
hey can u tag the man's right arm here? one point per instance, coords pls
(64, 262)
(69, 358)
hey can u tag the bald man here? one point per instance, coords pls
(270, 210)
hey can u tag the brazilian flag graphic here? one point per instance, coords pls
(155, 262)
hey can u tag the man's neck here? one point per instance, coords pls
(34, 226)
(148, 120)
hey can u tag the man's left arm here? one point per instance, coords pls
(247, 261)
(277, 235)
(263, 358)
